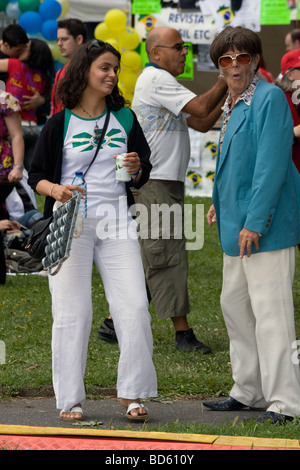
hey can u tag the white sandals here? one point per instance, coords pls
(75, 409)
(139, 417)
(132, 406)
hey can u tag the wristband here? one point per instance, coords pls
(50, 192)
(20, 167)
(136, 174)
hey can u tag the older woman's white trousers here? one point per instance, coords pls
(120, 266)
(257, 304)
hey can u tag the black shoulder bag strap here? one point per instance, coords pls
(100, 140)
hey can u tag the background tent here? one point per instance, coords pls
(94, 10)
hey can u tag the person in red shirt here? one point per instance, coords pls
(264, 72)
(290, 70)
(31, 75)
(71, 34)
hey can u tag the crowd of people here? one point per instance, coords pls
(258, 222)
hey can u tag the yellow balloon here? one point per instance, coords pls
(131, 60)
(124, 92)
(65, 7)
(129, 38)
(114, 43)
(122, 88)
(115, 19)
(128, 79)
(129, 97)
(103, 32)
(55, 51)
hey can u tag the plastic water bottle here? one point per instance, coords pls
(80, 181)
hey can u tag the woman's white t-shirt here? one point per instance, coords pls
(104, 192)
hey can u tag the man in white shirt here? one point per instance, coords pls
(165, 109)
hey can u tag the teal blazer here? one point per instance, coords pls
(256, 183)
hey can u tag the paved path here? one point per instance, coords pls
(110, 415)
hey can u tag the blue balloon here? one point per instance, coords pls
(31, 21)
(50, 10)
(49, 30)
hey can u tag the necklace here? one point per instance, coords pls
(96, 130)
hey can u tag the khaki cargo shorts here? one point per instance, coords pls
(163, 252)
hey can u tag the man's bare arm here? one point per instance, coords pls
(204, 104)
(206, 123)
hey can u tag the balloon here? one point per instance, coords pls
(55, 50)
(129, 38)
(115, 19)
(3, 4)
(50, 10)
(121, 87)
(103, 32)
(131, 60)
(128, 79)
(31, 22)
(65, 7)
(49, 30)
(124, 92)
(114, 43)
(129, 97)
(13, 11)
(29, 5)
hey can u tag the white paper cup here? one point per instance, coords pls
(121, 171)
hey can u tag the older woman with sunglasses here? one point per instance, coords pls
(89, 90)
(256, 208)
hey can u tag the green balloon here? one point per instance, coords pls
(29, 5)
(3, 4)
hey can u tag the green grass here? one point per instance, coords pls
(25, 327)
(231, 428)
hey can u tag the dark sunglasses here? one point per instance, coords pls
(242, 58)
(96, 43)
(177, 47)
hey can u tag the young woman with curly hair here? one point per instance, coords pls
(67, 144)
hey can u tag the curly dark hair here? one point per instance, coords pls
(72, 85)
(240, 38)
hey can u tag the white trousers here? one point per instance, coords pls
(257, 304)
(120, 266)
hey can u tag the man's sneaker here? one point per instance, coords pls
(107, 332)
(187, 341)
